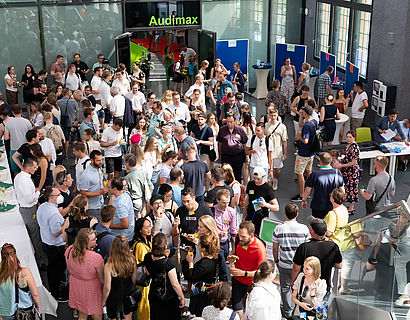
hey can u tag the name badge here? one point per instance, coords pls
(191, 218)
(238, 135)
(251, 191)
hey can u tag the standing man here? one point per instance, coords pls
(123, 224)
(277, 132)
(232, 107)
(82, 161)
(24, 151)
(180, 110)
(231, 146)
(111, 141)
(238, 78)
(81, 69)
(72, 80)
(323, 181)
(185, 140)
(157, 117)
(190, 57)
(220, 92)
(304, 158)
(52, 226)
(96, 83)
(218, 183)
(205, 138)
(105, 237)
(27, 198)
(177, 177)
(195, 172)
(137, 98)
(381, 188)
(58, 67)
(256, 210)
(92, 186)
(286, 239)
(199, 84)
(359, 106)
(251, 252)
(389, 122)
(117, 104)
(106, 97)
(68, 107)
(259, 148)
(121, 82)
(324, 85)
(47, 146)
(100, 61)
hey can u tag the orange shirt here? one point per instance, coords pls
(249, 258)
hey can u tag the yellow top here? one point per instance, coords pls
(140, 249)
(337, 221)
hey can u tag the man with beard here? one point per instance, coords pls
(250, 252)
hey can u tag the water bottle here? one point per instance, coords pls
(321, 313)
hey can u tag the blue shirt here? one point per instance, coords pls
(323, 182)
(221, 90)
(105, 242)
(176, 195)
(154, 121)
(308, 132)
(50, 222)
(92, 180)
(124, 208)
(384, 124)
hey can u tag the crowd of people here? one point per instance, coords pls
(179, 185)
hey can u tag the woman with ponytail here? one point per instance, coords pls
(263, 300)
(328, 116)
(218, 310)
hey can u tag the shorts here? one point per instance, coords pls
(13, 166)
(67, 133)
(239, 290)
(101, 114)
(303, 163)
(277, 163)
(113, 164)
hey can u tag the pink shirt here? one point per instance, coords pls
(225, 220)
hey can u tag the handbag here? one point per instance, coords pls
(371, 204)
(361, 239)
(132, 298)
(143, 278)
(30, 313)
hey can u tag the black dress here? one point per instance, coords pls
(115, 306)
(164, 306)
(75, 226)
(28, 93)
(203, 273)
(330, 122)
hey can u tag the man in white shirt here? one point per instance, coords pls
(117, 105)
(199, 84)
(180, 110)
(82, 161)
(48, 148)
(105, 96)
(95, 84)
(359, 106)
(121, 82)
(137, 98)
(259, 148)
(27, 198)
(111, 141)
(189, 58)
(71, 80)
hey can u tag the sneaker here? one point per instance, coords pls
(296, 198)
(275, 184)
(403, 302)
(61, 299)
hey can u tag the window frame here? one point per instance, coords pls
(354, 6)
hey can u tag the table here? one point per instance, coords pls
(391, 155)
(339, 124)
(13, 230)
(262, 73)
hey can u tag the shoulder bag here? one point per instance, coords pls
(371, 204)
(30, 313)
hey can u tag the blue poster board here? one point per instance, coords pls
(352, 75)
(231, 51)
(327, 59)
(296, 53)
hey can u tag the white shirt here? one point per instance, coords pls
(109, 135)
(72, 81)
(315, 116)
(105, 94)
(357, 104)
(190, 92)
(117, 105)
(137, 100)
(95, 84)
(260, 159)
(47, 146)
(212, 313)
(79, 168)
(263, 303)
(189, 52)
(181, 113)
(14, 89)
(124, 85)
(26, 193)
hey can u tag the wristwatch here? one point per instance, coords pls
(246, 274)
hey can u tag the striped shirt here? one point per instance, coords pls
(323, 80)
(289, 235)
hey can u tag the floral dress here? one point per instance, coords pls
(288, 85)
(351, 174)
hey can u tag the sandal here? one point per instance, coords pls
(186, 314)
(75, 313)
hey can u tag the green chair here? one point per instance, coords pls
(363, 134)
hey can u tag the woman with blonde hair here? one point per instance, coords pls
(58, 168)
(236, 186)
(153, 158)
(304, 77)
(11, 273)
(263, 300)
(120, 274)
(86, 275)
(308, 289)
(166, 98)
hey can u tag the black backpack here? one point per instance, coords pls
(317, 143)
(97, 248)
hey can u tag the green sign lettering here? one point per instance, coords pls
(172, 21)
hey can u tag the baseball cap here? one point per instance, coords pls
(155, 197)
(319, 227)
(259, 172)
(308, 110)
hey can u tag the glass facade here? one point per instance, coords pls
(361, 35)
(340, 35)
(322, 28)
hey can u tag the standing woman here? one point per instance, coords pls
(249, 128)
(11, 86)
(120, 273)
(195, 105)
(304, 78)
(288, 74)
(278, 98)
(27, 80)
(213, 124)
(153, 158)
(86, 269)
(138, 75)
(165, 294)
(168, 61)
(342, 104)
(263, 300)
(169, 160)
(328, 116)
(11, 273)
(40, 177)
(235, 185)
(350, 170)
(169, 204)
(141, 127)
(140, 248)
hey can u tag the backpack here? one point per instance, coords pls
(160, 287)
(97, 248)
(171, 70)
(151, 217)
(317, 143)
(56, 137)
(266, 143)
(242, 196)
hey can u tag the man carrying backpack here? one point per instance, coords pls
(105, 237)
(259, 148)
(304, 158)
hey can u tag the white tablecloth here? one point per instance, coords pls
(13, 230)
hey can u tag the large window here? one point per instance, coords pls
(279, 21)
(343, 29)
